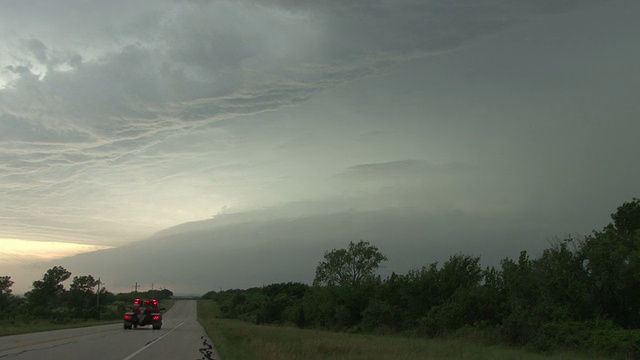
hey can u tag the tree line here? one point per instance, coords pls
(578, 293)
(84, 299)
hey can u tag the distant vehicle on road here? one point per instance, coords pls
(144, 312)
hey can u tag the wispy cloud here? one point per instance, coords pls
(210, 60)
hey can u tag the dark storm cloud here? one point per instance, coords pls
(354, 27)
(196, 62)
(236, 251)
(20, 69)
(123, 122)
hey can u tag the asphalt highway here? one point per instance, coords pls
(181, 337)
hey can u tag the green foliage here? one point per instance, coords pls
(237, 340)
(282, 303)
(548, 289)
(7, 300)
(338, 307)
(398, 293)
(5, 285)
(293, 290)
(427, 295)
(273, 308)
(603, 337)
(578, 294)
(460, 271)
(236, 303)
(467, 306)
(50, 301)
(612, 262)
(163, 294)
(82, 298)
(349, 266)
(627, 217)
(47, 293)
(378, 316)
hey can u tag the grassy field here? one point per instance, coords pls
(237, 340)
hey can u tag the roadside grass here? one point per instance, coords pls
(239, 340)
(17, 328)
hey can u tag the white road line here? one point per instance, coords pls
(152, 342)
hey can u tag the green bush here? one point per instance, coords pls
(601, 336)
(481, 332)
(61, 316)
(378, 315)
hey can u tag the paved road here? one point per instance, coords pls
(181, 337)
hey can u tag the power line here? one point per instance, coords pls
(24, 262)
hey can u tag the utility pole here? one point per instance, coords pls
(136, 290)
(98, 299)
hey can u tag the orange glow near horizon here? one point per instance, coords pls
(15, 250)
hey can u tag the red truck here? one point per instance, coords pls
(144, 312)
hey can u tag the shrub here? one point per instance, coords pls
(377, 315)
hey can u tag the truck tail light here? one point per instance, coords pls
(127, 317)
(156, 318)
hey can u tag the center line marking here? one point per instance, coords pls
(152, 342)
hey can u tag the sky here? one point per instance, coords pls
(457, 124)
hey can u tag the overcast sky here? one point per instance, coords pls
(120, 119)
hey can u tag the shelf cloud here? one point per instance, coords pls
(121, 119)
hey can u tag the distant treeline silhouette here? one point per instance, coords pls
(49, 300)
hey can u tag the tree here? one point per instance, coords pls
(460, 271)
(349, 266)
(83, 284)
(5, 286)
(81, 296)
(6, 298)
(611, 258)
(164, 294)
(47, 293)
(627, 216)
